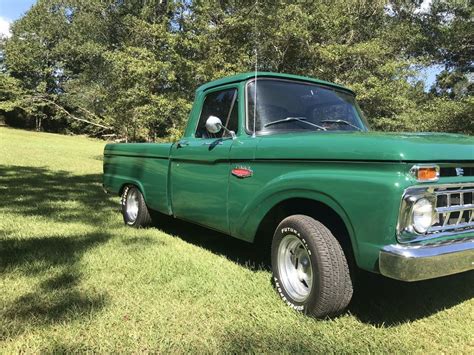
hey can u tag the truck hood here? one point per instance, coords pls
(367, 146)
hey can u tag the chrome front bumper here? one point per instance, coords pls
(420, 262)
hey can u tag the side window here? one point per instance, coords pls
(222, 104)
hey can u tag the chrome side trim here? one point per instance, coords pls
(421, 262)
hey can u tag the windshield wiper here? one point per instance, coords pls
(343, 122)
(299, 119)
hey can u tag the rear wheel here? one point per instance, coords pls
(134, 210)
(309, 267)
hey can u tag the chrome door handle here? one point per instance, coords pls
(212, 143)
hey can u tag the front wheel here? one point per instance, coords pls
(309, 267)
(134, 209)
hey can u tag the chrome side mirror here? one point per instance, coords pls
(214, 124)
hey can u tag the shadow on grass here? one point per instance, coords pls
(377, 300)
(246, 254)
(51, 262)
(57, 298)
(386, 302)
(56, 195)
(60, 196)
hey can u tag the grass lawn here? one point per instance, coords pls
(74, 278)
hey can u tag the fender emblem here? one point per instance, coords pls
(242, 172)
(459, 171)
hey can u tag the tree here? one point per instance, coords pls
(450, 25)
(130, 68)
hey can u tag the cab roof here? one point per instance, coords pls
(250, 75)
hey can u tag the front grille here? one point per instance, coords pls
(456, 171)
(454, 208)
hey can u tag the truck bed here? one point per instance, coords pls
(144, 164)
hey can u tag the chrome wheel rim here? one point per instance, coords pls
(294, 266)
(131, 206)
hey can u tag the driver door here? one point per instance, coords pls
(200, 165)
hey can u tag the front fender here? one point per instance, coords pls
(366, 196)
(282, 188)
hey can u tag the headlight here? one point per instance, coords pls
(422, 212)
(417, 214)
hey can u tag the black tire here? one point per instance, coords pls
(140, 218)
(329, 289)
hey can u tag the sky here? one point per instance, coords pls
(425, 5)
(11, 10)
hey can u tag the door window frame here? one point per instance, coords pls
(240, 113)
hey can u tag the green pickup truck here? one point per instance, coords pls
(289, 162)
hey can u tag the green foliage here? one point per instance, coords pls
(10, 93)
(129, 69)
(449, 27)
(438, 114)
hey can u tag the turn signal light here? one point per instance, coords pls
(425, 172)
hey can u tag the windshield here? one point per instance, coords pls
(293, 106)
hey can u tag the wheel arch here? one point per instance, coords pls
(134, 183)
(320, 207)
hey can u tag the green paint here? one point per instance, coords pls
(360, 175)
